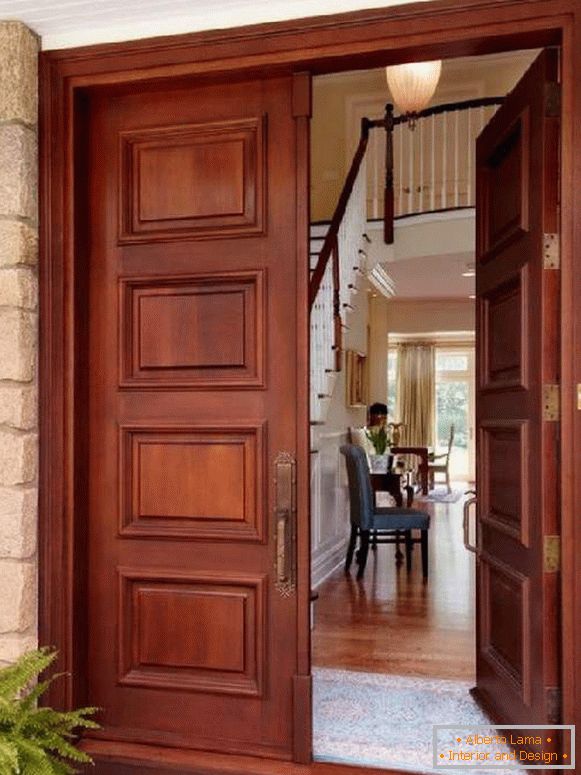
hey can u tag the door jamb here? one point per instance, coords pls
(321, 44)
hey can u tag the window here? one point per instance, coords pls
(454, 403)
(455, 407)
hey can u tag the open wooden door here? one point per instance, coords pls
(196, 319)
(517, 279)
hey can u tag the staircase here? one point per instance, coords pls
(342, 248)
(437, 156)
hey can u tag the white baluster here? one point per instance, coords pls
(400, 129)
(456, 165)
(433, 165)
(421, 182)
(443, 197)
(410, 207)
(469, 151)
(376, 140)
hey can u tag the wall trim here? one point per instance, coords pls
(327, 561)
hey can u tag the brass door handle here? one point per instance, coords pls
(466, 524)
(285, 523)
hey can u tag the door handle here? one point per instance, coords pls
(285, 523)
(466, 522)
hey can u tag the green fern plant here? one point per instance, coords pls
(37, 740)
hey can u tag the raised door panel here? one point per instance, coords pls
(192, 482)
(503, 330)
(196, 331)
(504, 189)
(505, 624)
(503, 488)
(192, 182)
(192, 632)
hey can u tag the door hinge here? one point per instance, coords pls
(551, 402)
(579, 396)
(551, 251)
(552, 99)
(553, 700)
(552, 554)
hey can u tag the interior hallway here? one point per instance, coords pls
(397, 624)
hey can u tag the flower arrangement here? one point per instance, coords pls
(380, 439)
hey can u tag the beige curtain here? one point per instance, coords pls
(416, 373)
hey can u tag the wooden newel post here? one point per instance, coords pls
(388, 204)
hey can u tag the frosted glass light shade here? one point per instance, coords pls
(412, 85)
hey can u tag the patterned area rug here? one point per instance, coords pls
(440, 495)
(386, 721)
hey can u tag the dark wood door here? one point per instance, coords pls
(517, 281)
(193, 320)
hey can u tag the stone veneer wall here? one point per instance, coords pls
(18, 338)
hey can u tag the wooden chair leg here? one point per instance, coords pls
(448, 481)
(398, 551)
(424, 545)
(408, 550)
(351, 548)
(362, 553)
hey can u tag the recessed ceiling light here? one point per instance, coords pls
(469, 273)
(472, 296)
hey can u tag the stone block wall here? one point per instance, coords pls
(18, 339)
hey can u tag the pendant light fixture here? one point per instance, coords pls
(412, 86)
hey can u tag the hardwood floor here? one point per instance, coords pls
(392, 622)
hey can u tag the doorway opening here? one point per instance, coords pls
(406, 370)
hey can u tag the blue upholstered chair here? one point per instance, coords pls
(387, 522)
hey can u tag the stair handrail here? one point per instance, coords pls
(329, 249)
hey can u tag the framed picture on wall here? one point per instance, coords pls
(356, 378)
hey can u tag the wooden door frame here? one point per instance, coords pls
(443, 28)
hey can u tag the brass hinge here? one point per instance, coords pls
(553, 700)
(552, 99)
(551, 402)
(552, 554)
(551, 251)
(579, 396)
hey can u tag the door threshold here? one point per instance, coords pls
(134, 759)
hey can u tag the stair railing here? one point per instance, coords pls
(330, 249)
(428, 168)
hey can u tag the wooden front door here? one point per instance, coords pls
(193, 314)
(517, 280)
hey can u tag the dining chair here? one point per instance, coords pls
(442, 467)
(366, 517)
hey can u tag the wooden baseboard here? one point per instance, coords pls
(133, 759)
(325, 562)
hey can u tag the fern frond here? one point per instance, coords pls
(37, 741)
(8, 756)
(14, 679)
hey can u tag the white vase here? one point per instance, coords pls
(378, 463)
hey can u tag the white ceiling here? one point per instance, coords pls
(432, 277)
(65, 23)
